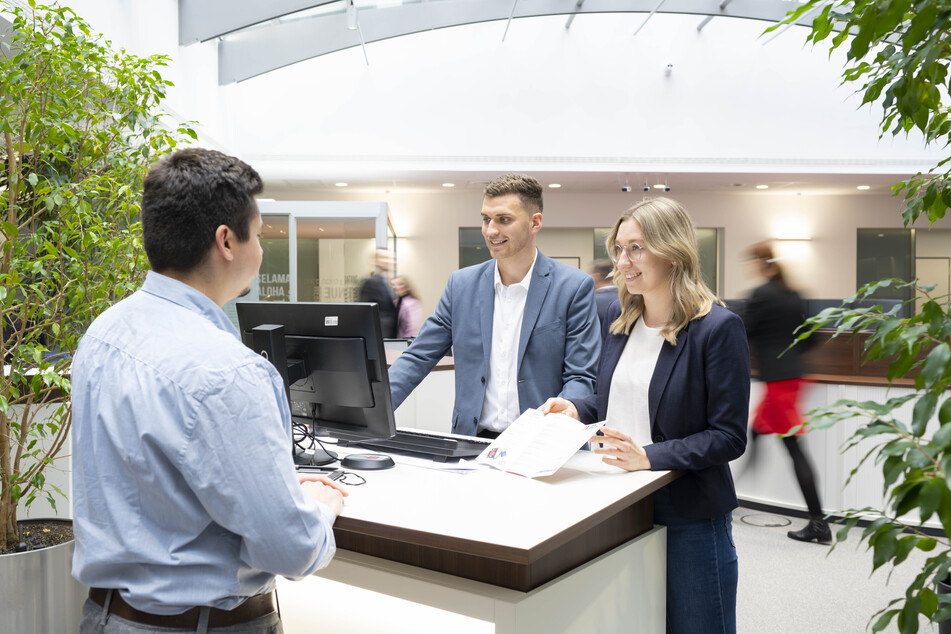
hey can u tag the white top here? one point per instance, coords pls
(627, 401)
(500, 405)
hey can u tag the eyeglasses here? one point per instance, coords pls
(634, 252)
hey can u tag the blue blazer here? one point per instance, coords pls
(558, 347)
(698, 401)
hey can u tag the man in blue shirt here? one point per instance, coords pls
(186, 501)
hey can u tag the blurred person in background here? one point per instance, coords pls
(409, 310)
(772, 314)
(376, 289)
(605, 290)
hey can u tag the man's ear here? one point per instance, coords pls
(224, 242)
(536, 222)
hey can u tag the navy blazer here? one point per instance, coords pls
(558, 346)
(772, 316)
(698, 401)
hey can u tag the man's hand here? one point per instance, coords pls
(323, 489)
(556, 405)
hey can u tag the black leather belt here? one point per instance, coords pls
(254, 608)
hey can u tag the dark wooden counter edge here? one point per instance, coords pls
(506, 566)
(872, 381)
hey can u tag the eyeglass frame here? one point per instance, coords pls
(634, 252)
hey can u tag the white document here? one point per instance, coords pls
(537, 444)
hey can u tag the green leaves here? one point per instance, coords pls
(86, 124)
(898, 50)
(908, 437)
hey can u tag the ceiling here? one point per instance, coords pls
(596, 182)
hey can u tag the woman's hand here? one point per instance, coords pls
(619, 450)
(557, 405)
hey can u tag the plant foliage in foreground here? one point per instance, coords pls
(913, 454)
(898, 50)
(79, 125)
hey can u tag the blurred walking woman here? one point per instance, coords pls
(673, 385)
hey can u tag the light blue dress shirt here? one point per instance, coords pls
(184, 489)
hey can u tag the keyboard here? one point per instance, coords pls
(436, 446)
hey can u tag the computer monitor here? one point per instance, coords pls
(332, 359)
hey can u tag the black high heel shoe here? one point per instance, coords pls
(816, 530)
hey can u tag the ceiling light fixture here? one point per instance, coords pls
(340, 184)
(863, 187)
(554, 185)
(351, 16)
(762, 187)
(448, 184)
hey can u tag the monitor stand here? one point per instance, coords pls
(315, 456)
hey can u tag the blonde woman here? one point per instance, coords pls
(673, 385)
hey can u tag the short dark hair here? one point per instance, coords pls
(528, 190)
(185, 198)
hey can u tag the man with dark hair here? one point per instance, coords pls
(521, 327)
(186, 502)
(605, 291)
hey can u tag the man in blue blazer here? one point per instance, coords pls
(521, 327)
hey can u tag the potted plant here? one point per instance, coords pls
(898, 50)
(912, 452)
(79, 125)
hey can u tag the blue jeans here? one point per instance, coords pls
(702, 571)
(94, 621)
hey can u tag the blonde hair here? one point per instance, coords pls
(669, 234)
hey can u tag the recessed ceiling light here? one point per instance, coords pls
(448, 184)
(863, 187)
(658, 186)
(762, 187)
(554, 185)
(340, 184)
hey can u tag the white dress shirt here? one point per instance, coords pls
(627, 401)
(500, 405)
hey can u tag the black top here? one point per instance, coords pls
(771, 315)
(376, 289)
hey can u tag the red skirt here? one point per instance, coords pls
(778, 412)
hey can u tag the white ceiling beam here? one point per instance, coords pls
(203, 20)
(257, 51)
(571, 18)
(707, 19)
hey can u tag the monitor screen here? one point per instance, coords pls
(333, 360)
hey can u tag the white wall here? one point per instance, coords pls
(589, 98)
(594, 94)
(824, 267)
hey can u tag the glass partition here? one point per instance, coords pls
(273, 281)
(886, 253)
(318, 251)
